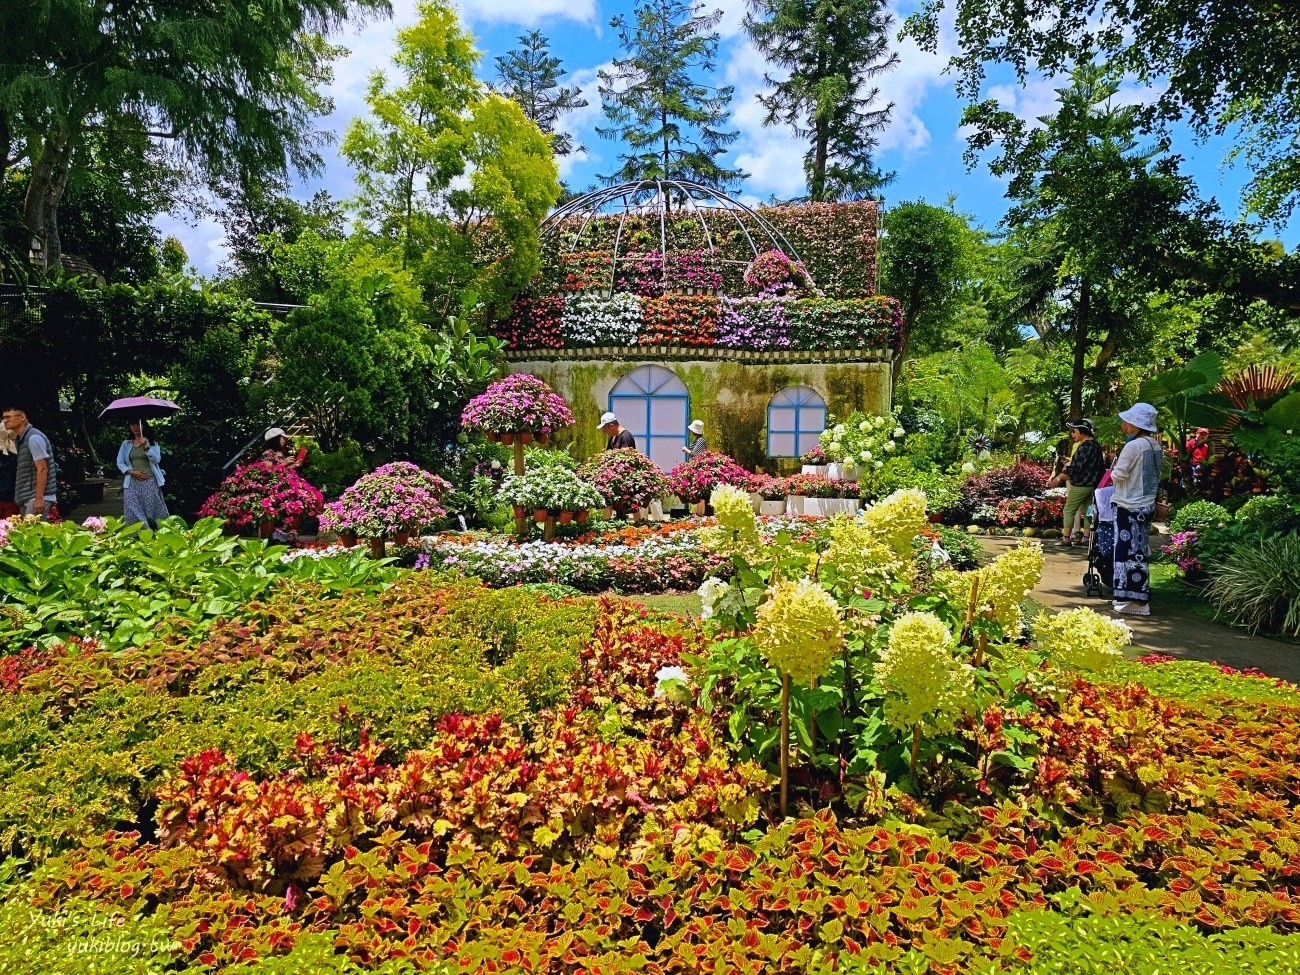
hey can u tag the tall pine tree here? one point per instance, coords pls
(670, 122)
(530, 75)
(830, 50)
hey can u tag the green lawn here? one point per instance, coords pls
(680, 603)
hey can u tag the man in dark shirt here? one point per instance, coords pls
(1082, 474)
(617, 436)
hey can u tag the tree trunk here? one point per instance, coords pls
(1082, 313)
(817, 178)
(49, 178)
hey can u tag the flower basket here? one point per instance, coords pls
(565, 517)
(540, 515)
(401, 537)
(508, 439)
(581, 516)
(398, 497)
(515, 404)
(262, 492)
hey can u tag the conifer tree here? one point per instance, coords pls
(530, 75)
(671, 123)
(830, 51)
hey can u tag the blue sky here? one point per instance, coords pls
(923, 144)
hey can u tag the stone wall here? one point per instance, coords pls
(730, 394)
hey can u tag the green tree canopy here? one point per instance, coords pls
(1221, 63)
(671, 122)
(227, 85)
(829, 52)
(454, 179)
(530, 75)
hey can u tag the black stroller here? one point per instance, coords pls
(1100, 572)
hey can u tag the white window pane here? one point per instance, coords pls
(812, 419)
(780, 419)
(807, 441)
(668, 416)
(782, 445)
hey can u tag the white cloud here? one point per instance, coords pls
(528, 13)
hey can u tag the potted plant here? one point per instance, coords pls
(395, 501)
(814, 460)
(550, 491)
(771, 493)
(517, 404)
(695, 480)
(626, 479)
(261, 495)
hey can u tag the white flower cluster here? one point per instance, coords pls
(506, 563)
(316, 554)
(590, 319)
(719, 598)
(862, 444)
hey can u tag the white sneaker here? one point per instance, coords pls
(1131, 608)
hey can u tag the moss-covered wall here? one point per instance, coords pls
(731, 398)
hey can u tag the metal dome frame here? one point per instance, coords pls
(651, 197)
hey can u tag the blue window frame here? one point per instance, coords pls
(655, 406)
(796, 417)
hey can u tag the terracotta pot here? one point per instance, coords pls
(493, 436)
(540, 515)
(377, 547)
(565, 517)
(508, 439)
(348, 538)
(581, 516)
(401, 537)
(525, 437)
(543, 438)
(265, 528)
(934, 517)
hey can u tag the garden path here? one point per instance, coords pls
(1175, 630)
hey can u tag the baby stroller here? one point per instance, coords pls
(1100, 572)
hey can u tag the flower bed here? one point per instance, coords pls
(701, 321)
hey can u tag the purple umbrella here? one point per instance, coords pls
(138, 408)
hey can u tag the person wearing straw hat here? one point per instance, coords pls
(1136, 478)
(699, 445)
(617, 437)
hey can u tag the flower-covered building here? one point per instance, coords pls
(666, 302)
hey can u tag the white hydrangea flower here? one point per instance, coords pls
(878, 464)
(890, 447)
(838, 431)
(865, 455)
(864, 426)
(899, 433)
(968, 468)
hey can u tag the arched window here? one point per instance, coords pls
(655, 405)
(796, 418)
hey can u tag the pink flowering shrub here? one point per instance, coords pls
(695, 480)
(396, 497)
(262, 491)
(625, 478)
(773, 274)
(693, 269)
(1181, 550)
(1031, 512)
(517, 402)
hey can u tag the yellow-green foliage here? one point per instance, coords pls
(1081, 639)
(84, 742)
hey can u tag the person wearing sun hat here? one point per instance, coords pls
(699, 445)
(617, 436)
(1136, 477)
(1081, 475)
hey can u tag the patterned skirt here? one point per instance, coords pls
(143, 501)
(1133, 554)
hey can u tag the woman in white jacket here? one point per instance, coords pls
(138, 458)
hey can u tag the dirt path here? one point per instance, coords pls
(1169, 629)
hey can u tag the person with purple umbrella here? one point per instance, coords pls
(138, 459)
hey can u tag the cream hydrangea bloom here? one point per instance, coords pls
(799, 630)
(924, 681)
(861, 559)
(897, 519)
(1003, 584)
(736, 532)
(1081, 639)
